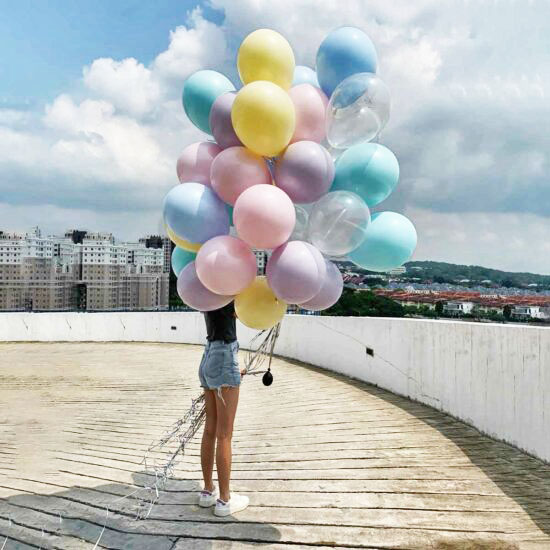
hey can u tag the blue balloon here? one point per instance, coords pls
(180, 258)
(200, 91)
(195, 213)
(345, 51)
(305, 75)
(390, 241)
(369, 170)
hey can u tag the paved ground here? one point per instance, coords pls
(326, 461)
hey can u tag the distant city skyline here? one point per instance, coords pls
(91, 121)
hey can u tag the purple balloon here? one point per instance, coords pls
(195, 294)
(295, 272)
(220, 121)
(304, 171)
(330, 292)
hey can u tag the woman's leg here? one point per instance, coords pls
(208, 443)
(224, 432)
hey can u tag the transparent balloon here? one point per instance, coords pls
(338, 223)
(358, 110)
(300, 229)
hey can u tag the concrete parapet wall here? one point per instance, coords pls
(494, 377)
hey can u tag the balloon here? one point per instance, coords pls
(296, 271)
(300, 228)
(390, 242)
(200, 91)
(230, 212)
(304, 171)
(226, 265)
(345, 51)
(182, 243)
(266, 55)
(195, 294)
(263, 117)
(257, 307)
(358, 110)
(194, 212)
(338, 223)
(195, 161)
(236, 169)
(331, 290)
(304, 75)
(370, 170)
(264, 216)
(220, 121)
(180, 258)
(310, 104)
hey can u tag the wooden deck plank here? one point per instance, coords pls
(326, 461)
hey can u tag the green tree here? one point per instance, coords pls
(507, 312)
(364, 303)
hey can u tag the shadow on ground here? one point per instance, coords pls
(80, 517)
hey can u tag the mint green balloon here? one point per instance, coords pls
(390, 241)
(369, 170)
(200, 91)
(180, 258)
(230, 210)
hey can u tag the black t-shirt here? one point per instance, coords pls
(220, 324)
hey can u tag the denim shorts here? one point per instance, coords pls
(220, 365)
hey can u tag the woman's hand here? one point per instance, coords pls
(243, 372)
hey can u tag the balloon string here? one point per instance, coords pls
(183, 431)
(387, 361)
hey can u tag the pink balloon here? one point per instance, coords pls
(195, 161)
(296, 271)
(264, 216)
(330, 292)
(226, 265)
(236, 169)
(195, 294)
(310, 104)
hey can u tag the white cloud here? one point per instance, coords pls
(469, 82)
(127, 84)
(198, 45)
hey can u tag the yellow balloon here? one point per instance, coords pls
(263, 117)
(257, 307)
(182, 243)
(266, 55)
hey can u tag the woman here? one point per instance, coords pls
(220, 377)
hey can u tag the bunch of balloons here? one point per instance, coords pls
(268, 180)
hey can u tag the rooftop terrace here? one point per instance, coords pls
(326, 460)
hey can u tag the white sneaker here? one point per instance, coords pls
(207, 498)
(236, 504)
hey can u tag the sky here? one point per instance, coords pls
(91, 121)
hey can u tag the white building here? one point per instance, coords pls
(81, 270)
(458, 308)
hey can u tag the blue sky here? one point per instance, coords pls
(91, 122)
(66, 35)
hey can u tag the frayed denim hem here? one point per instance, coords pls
(219, 390)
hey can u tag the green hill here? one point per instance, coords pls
(445, 272)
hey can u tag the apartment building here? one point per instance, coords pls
(81, 270)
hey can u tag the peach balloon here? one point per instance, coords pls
(310, 104)
(226, 265)
(195, 161)
(264, 216)
(236, 169)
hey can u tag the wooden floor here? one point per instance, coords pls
(326, 461)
